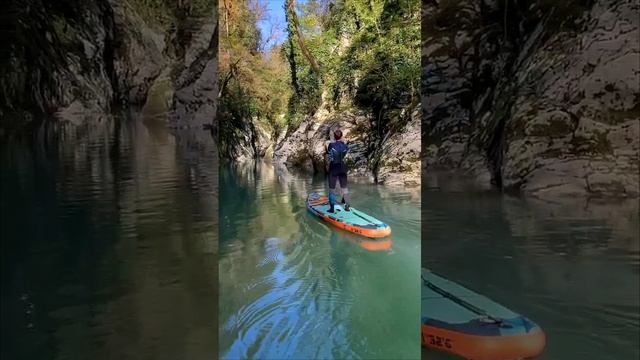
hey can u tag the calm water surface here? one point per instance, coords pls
(571, 266)
(109, 241)
(293, 287)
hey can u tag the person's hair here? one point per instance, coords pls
(337, 134)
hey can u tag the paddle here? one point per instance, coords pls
(459, 301)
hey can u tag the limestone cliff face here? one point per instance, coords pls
(75, 61)
(140, 53)
(537, 97)
(194, 102)
(399, 155)
(305, 147)
(54, 60)
(254, 144)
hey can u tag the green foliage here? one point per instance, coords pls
(310, 88)
(381, 66)
(254, 85)
(305, 81)
(368, 56)
(154, 12)
(167, 14)
(64, 31)
(200, 8)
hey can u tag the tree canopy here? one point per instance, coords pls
(337, 54)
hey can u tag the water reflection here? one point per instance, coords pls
(294, 287)
(109, 243)
(571, 265)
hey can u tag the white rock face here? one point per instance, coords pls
(561, 119)
(194, 101)
(401, 159)
(141, 59)
(306, 147)
(400, 162)
(582, 127)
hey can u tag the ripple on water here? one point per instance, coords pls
(291, 283)
(108, 236)
(570, 265)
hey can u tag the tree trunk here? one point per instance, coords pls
(293, 17)
(292, 64)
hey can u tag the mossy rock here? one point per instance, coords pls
(64, 31)
(154, 12)
(301, 158)
(617, 116)
(557, 125)
(391, 163)
(552, 154)
(516, 129)
(599, 144)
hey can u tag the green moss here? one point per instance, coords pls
(154, 12)
(397, 165)
(565, 13)
(201, 8)
(613, 117)
(64, 31)
(552, 153)
(599, 144)
(392, 163)
(602, 144)
(515, 129)
(404, 168)
(555, 127)
(300, 158)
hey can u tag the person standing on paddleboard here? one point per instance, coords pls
(336, 153)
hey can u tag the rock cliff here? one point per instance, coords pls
(196, 85)
(534, 96)
(399, 155)
(73, 61)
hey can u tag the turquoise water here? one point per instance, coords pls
(294, 287)
(572, 265)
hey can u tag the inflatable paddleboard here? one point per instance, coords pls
(353, 220)
(371, 244)
(459, 321)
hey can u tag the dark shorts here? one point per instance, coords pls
(337, 173)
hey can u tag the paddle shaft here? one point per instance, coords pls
(459, 301)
